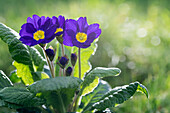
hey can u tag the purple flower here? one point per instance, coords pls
(37, 30)
(60, 22)
(79, 33)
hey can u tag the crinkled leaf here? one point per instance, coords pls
(118, 95)
(22, 54)
(37, 60)
(4, 80)
(2, 103)
(54, 84)
(60, 88)
(93, 97)
(96, 73)
(19, 97)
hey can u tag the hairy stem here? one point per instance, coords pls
(79, 63)
(71, 107)
(62, 48)
(63, 72)
(50, 64)
(72, 74)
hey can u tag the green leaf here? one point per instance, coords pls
(93, 75)
(18, 97)
(4, 80)
(54, 84)
(60, 88)
(24, 72)
(2, 103)
(37, 60)
(93, 97)
(42, 75)
(13, 77)
(118, 95)
(25, 56)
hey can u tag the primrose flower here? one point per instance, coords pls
(79, 33)
(60, 23)
(37, 30)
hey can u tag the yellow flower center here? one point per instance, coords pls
(81, 37)
(59, 30)
(39, 35)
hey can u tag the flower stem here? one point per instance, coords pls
(79, 63)
(72, 74)
(50, 64)
(71, 107)
(62, 49)
(63, 72)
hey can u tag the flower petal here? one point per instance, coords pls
(67, 40)
(28, 41)
(46, 24)
(36, 18)
(71, 24)
(82, 23)
(30, 28)
(55, 20)
(50, 32)
(61, 21)
(23, 31)
(92, 28)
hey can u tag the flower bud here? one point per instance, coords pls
(73, 59)
(69, 71)
(60, 39)
(50, 53)
(63, 61)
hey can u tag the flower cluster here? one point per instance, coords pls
(69, 32)
(42, 30)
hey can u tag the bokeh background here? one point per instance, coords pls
(135, 38)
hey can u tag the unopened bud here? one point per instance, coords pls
(69, 71)
(50, 53)
(73, 59)
(63, 61)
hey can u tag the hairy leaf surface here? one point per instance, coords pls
(19, 97)
(93, 97)
(96, 73)
(4, 80)
(119, 95)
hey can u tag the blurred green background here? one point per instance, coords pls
(135, 38)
